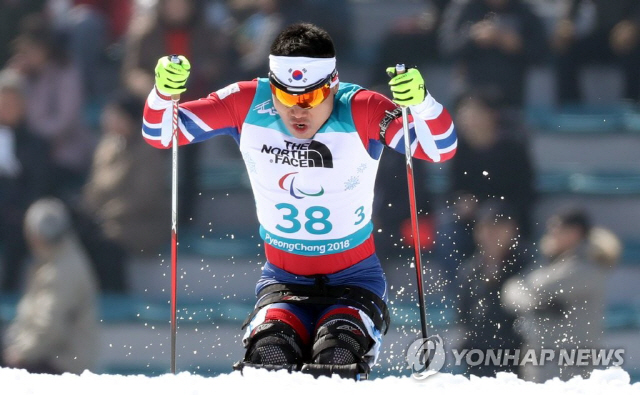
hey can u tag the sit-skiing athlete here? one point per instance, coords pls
(311, 145)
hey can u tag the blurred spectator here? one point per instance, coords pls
(324, 13)
(95, 31)
(496, 163)
(55, 102)
(597, 31)
(562, 302)
(11, 14)
(24, 176)
(126, 196)
(490, 163)
(257, 22)
(499, 255)
(411, 40)
(176, 27)
(56, 328)
(254, 35)
(179, 27)
(493, 42)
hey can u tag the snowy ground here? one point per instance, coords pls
(18, 382)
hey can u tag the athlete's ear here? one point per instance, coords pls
(334, 90)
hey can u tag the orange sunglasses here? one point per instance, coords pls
(306, 98)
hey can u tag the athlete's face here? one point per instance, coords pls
(304, 123)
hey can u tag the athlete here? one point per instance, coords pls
(311, 146)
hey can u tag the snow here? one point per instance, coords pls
(18, 382)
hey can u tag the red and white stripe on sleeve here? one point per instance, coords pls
(431, 129)
(222, 112)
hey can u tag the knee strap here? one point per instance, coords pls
(360, 298)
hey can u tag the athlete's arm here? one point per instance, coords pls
(222, 112)
(433, 135)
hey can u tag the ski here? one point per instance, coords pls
(355, 371)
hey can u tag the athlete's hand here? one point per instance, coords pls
(171, 77)
(407, 88)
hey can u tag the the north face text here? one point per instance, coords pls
(312, 154)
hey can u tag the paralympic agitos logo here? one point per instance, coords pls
(293, 190)
(312, 154)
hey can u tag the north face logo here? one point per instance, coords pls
(313, 154)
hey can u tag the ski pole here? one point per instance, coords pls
(174, 222)
(400, 68)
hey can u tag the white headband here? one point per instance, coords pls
(300, 71)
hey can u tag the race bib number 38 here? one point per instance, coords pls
(314, 220)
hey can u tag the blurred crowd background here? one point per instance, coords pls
(544, 95)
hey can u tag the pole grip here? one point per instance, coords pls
(175, 59)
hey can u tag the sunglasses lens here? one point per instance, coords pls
(305, 100)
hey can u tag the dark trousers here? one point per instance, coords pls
(595, 49)
(13, 251)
